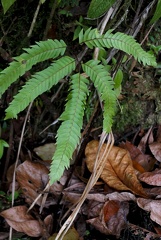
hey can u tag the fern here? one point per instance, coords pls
(69, 132)
(37, 53)
(120, 41)
(104, 85)
(39, 83)
(157, 14)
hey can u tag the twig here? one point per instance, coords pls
(104, 23)
(8, 151)
(50, 19)
(17, 158)
(34, 20)
(53, 123)
(7, 31)
(98, 167)
(99, 162)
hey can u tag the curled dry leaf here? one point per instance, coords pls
(152, 178)
(32, 178)
(145, 161)
(46, 151)
(154, 192)
(72, 234)
(123, 196)
(21, 221)
(152, 206)
(155, 148)
(112, 218)
(118, 172)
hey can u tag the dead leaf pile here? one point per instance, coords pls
(107, 206)
(118, 172)
(21, 221)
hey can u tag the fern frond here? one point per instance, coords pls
(39, 83)
(37, 53)
(69, 132)
(120, 41)
(104, 85)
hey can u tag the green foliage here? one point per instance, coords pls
(120, 41)
(37, 53)
(157, 13)
(68, 134)
(104, 85)
(39, 83)
(98, 7)
(6, 4)
(3, 144)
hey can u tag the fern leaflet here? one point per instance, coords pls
(37, 53)
(104, 85)
(69, 132)
(120, 41)
(39, 83)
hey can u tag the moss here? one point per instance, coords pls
(132, 113)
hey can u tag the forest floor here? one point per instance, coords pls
(133, 211)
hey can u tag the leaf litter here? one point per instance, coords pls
(107, 206)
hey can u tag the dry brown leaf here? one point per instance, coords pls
(72, 234)
(123, 196)
(152, 206)
(152, 178)
(144, 140)
(154, 192)
(146, 161)
(32, 178)
(112, 218)
(155, 148)
(118, 172)
(18, 218)
(48, 222)
(46, 151)
(4, 235)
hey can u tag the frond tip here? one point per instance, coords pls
(37, 53)
(119, 41)
(39, 83)
(104, 85)
(68, 134)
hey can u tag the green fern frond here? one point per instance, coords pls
(39, 83)
(104, 85)
(120, 41)
(69, 132)
(37, 53)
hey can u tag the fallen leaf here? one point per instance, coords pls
(151, 178)
(152, 206)
(144, 140)
(46, 151)
(72, 234)
(20, 220)
(154, 192)
(32, 178)
(4, 235)
(155, 148)
(111, 208)
(146, 161)
(112, 218)
(123, 196)
(118, 172)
